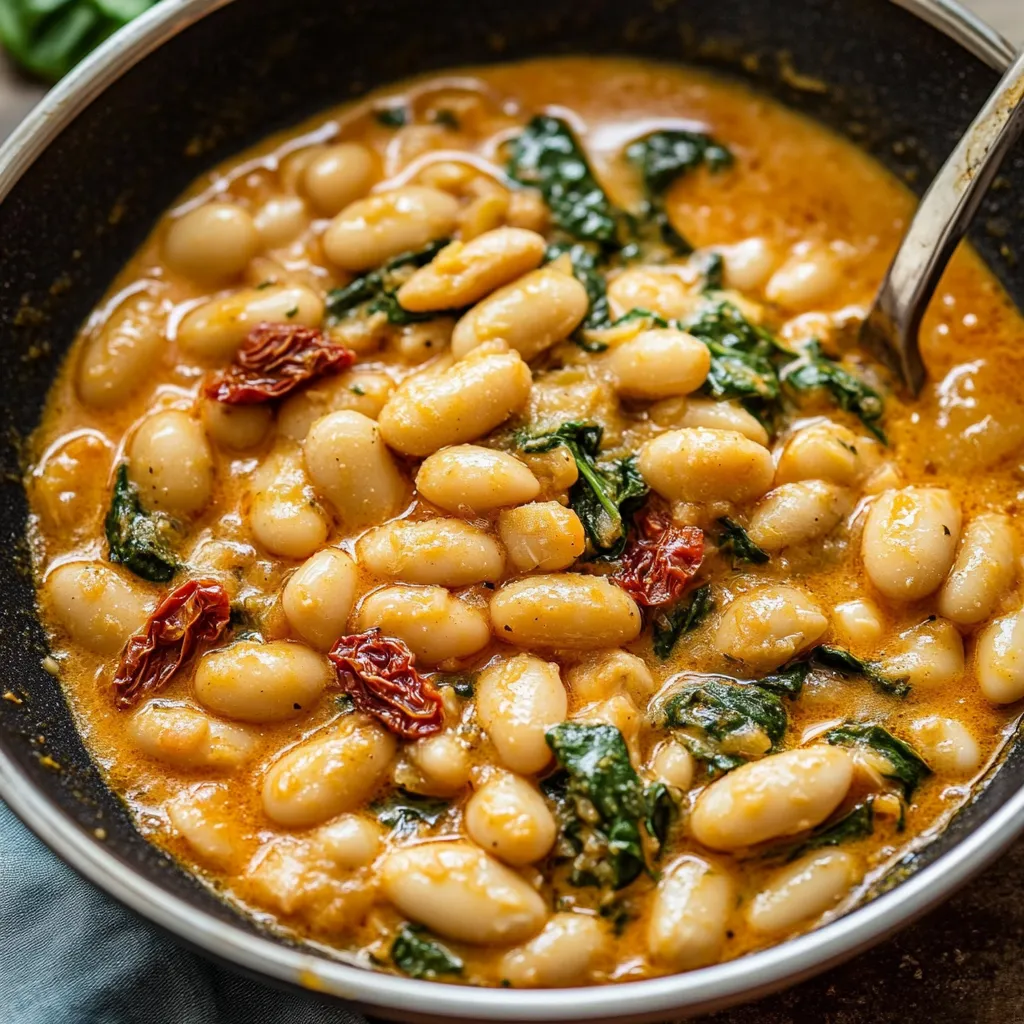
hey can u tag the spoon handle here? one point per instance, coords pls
(942, 218)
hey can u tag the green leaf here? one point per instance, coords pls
(547, 156)
(712, 267)
(662, 809)
(858, 823)
(344, 704)
(684, 617)
(463, 683)
(846, 664)
(850, 393)
(789, 680)
(421, 957)
(905, 764)
(138, 540)
(406, 813)
(600, 803)
(447, 118)
(734, 539)
(392, 117)
(605, 496)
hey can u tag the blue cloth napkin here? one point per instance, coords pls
(71, 955)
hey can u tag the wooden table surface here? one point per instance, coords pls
(963, 963)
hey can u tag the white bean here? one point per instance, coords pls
(947, 745)
(98, 607)
(352, 468)
(330, 774)
(370, 231)
(999, 659)
(170, 462)
(566, 953)
(468, 480)
(930, 656)
(257, 682)
(237, 427)
(748, 264)
(542, 535)
(826, 451)
(780, 795)
(690, 915)
(185, 737)
(443, 762)
(460, 893)
(531, 314)
(705, 412)
(802, 891)
(280, 221)
(350, 842)
(674, 764)
(564, 610)
(765, 627)
(362, 391)
(859, 621)
(212, 243)
(599, 675)
(517, 700)
(649, 288)
(204, 817)
(983, 572)
(465, 402)
(808, 278)
(797, 513)
(909, 541)
(284, 515)
(509, 819)
(447, 552)
(339, 175)
(659, 363)
(435, 624)
(700, 465)
(318, 597)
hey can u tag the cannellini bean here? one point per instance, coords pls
(330, 774)
(418, 342)
(930, 656)
(858, 621)
(983, 572)
(620, 713)
(659, 363)
(350, 841)
(69, 486)
(508, 818)
(435, 624)
(565, 953)
(909, 541)
(461, 274)
(120, 357)
(690, 915)
(443, 762)
(825, 451)
(674, 765)
(517, 700)
(284, 515)
(648, 288)
(213, 331)
(237, 427)
(98, 607)
(564, 610)
(205, 817)
(765, 627)
(748, 264)
(211, 243)
(803, 890)
(999, 659)
(542, 535)
(700, 465)
(257, 682)
(704, 412)
(531, 314)
(370, 231)
(339, 175)
(468, 480)
(556, 471)
(318, 597)
(184, 737)
(460, 893)
(362, 391)
(465, 402)
(527, 209)
(807, 278)
(280, 220)
(352, 468)
(780, 795)
(599, 675)
(448, 552)
(947, 745)
(797, 513)
(170, 462)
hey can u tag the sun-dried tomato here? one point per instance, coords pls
(194, 613)
(660, 559)
(378, 673)
(276, 359)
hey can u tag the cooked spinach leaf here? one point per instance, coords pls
(716, 717)
(547, 156)
(661, 158)
(392, 117)
(138, 540)
(684, 617)
(734, 539)
(662, 808)
(857, 823)
(850, 393)
(344, 704)
(447, 118)
(712, 267)
(604, 496)
(600, 803)
(905, 765)
(846, 664)
(463, 683)
(405, 813)
(788, 680)
(415, 954)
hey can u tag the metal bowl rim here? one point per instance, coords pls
(705, 989)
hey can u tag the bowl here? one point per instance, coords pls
(193, 81)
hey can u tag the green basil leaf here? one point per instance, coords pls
(138, 540)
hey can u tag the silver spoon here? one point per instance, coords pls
(890, 330)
